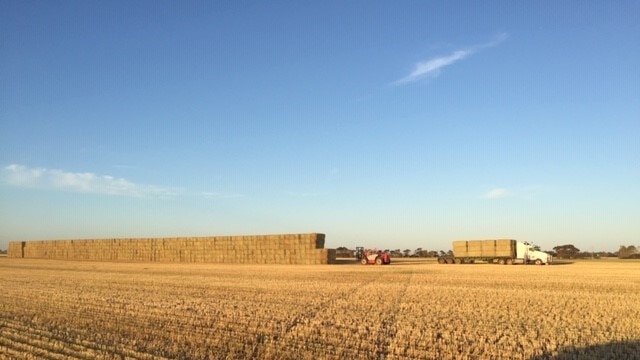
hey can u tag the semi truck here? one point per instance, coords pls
(499, 251)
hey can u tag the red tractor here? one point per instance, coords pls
(372, 257)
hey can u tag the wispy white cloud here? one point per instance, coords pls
(526, 193)
(23, 176)
(432, 66)
(497, 193)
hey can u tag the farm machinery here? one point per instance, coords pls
(372, 257)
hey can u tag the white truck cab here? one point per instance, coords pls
(529, 254)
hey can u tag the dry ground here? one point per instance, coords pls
(412, 309)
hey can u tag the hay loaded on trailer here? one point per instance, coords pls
(502, 251)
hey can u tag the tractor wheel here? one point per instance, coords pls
(378, 260)
(538, 262)
(363, 261)
(441, 260)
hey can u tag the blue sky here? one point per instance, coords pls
(396, 125)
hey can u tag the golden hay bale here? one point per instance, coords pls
(278, 248)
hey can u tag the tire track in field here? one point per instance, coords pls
(26, 337)
(359, 323)
(389, 331)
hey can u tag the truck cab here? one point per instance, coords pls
(529, 255)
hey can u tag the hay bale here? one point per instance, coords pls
(16, 249)
(257, 249)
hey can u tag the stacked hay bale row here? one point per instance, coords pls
(15, 249)
(257, 249)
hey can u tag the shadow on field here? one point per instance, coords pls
(394, 261)
(343, 261)
(561, 262)
(613, 350)
(412, 261)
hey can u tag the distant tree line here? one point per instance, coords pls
(629, 252)
(567, 251)
(419, 252)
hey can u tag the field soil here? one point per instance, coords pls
(411, 309)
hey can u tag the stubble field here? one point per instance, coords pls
(408, 310)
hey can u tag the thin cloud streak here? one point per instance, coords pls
(496, 193)
(23, 176)
(432, 67)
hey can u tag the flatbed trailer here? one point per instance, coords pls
(498, 251)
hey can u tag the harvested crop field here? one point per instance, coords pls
(408, 310)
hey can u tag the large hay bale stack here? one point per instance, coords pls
(16, 249)
(506, 248)
(303, 249)
(489, 248)
(474, 248)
